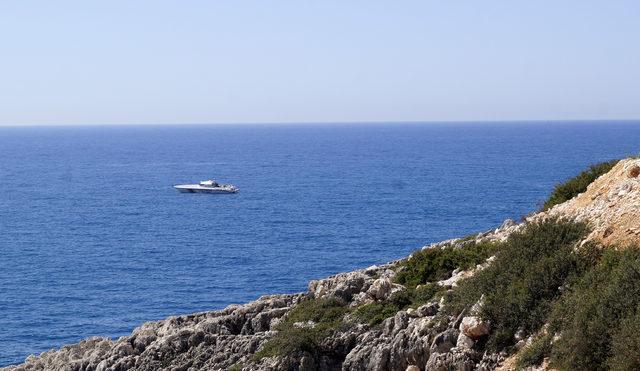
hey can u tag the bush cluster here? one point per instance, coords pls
(589, 297)
(326, 315)
(535, 353)
(599, 318)
(436, 264)
(295, 334)
(374, 313)
(578, 184)
(419, 275)
(523, 282)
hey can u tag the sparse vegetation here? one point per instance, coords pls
(313, 320)
(436, 264)
(423, 294)
(304, 327)
(374, 313)
(578, 184)
(535, 353)
(419, 275)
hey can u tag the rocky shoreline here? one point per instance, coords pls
(229, 338)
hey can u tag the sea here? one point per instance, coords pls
(94, 240)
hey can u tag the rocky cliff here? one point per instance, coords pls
(360, 320)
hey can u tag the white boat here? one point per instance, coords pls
(206, 186)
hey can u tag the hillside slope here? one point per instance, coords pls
(611, 204)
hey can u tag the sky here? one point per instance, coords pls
(158, 61)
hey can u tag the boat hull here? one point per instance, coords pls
(200, 189)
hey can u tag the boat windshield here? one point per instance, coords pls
(208, 183)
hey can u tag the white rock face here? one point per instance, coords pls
(474, 327)
(343, 285)
(383, 288)
(351, 286)
(611, 205)
(464, 342)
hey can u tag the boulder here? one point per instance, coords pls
(342, 286)
(383, 288)
(474, 327)
(464, 342)
(444, 341)
(455, 360)
(429, 309)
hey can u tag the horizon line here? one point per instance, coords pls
(328, 123)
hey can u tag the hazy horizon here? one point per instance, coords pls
(335, 123)
(157, 62)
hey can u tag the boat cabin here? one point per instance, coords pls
(209, 183)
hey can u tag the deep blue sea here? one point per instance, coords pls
(94, 240)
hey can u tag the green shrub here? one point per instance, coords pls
(598, 317)
(374, 313)
(327, 315)
(320, 311)
(520, 286)
(290, 340)
(625, 346)
(424, 294)
(436, 264)
(534, 354)
(578, 184)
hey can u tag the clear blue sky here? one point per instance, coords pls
(125, 61)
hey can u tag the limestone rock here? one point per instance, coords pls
(383, 288)
(444, 341)
(464, 342)
(609, 205)
(210, 340)
(346, 286)
(456, 359)
(429, 309)
(474, 327)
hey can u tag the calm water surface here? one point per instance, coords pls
(94, 241)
